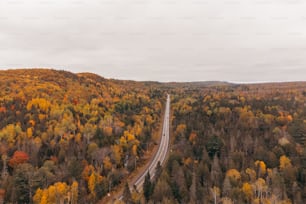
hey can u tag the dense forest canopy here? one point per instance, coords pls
(236, 144)
(72, 138)
(78, 134)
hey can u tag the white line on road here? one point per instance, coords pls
(161, 154)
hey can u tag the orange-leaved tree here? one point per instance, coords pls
(18, 157)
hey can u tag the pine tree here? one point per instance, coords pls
(147, 187)
(158, 170)
(127, 196)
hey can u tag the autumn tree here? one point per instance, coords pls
(18, 157)
(215, 192)
(93, 180)
(74, 192)
(248, 191)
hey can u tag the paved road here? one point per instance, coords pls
(161, 153)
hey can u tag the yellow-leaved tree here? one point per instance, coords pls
(284, 162)
(248, 191)
(252, 174)
(61, 190)
(57, 193)
(38, 196)
(234, 176)
(262, 169)
(74, 192)
(93, 180)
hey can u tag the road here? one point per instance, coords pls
(161, 153)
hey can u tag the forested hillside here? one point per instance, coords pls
(72, 137)
(235, 144)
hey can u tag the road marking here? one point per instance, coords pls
(161, 152)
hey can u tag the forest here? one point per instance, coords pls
(235, 144)
(73, 138)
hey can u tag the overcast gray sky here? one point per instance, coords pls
(163, 40)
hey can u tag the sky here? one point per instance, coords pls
(158, 40)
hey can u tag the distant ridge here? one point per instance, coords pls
(42, 72)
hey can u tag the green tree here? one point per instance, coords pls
(214, 145)
(161, 190)
(147, 187)
(24, 182)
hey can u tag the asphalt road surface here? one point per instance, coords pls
(161, 153)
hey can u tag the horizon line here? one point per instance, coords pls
(156, 81)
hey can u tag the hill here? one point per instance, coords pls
(79, 133)
(74, 138)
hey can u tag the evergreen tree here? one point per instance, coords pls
(127, 196)
(158, 170)
(147, 187)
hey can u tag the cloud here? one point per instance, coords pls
(158, 40)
